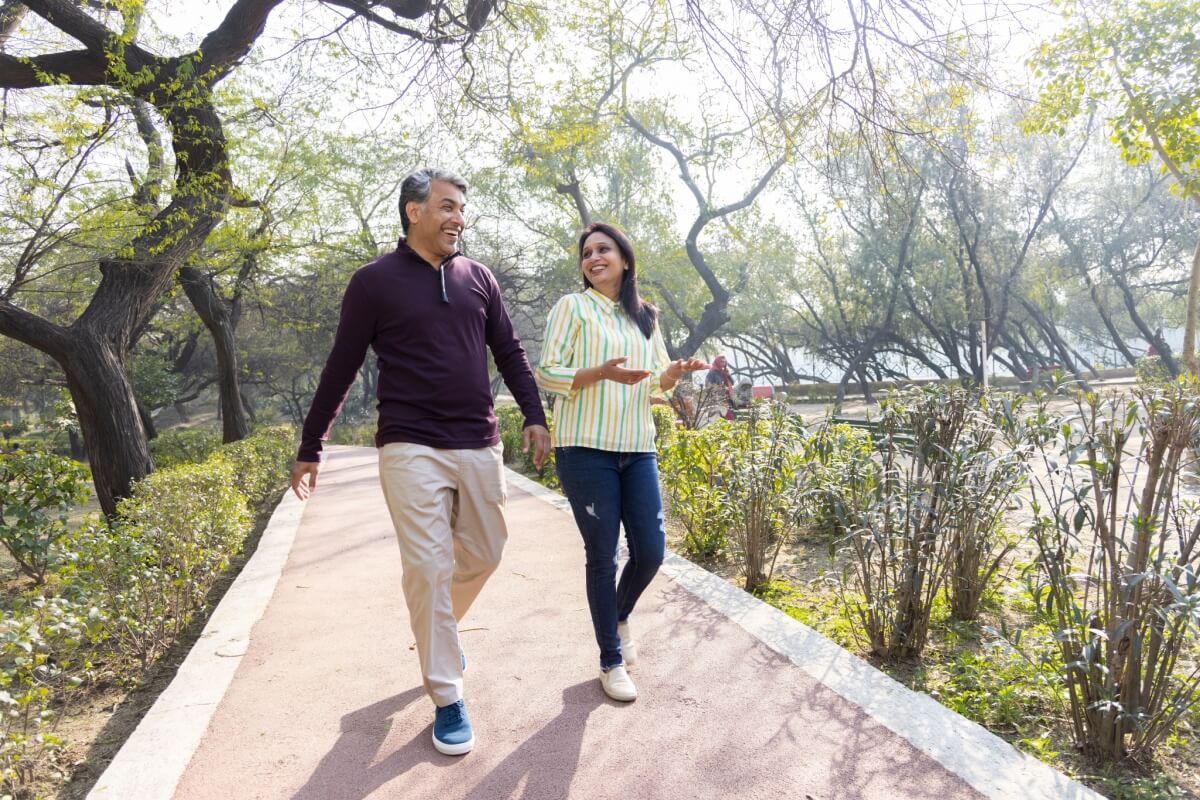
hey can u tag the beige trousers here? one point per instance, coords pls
(448, 510)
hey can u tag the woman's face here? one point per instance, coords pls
(601, 264)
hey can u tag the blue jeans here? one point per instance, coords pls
(606, 489)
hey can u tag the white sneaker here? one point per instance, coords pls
(628, 645)
(618, 685)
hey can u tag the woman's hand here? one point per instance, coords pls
(612, 370)
(678, 368)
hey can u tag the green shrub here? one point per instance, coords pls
(838, 455)
(360, 435)
(1151, 371)
(13, 427)
(118, 594)
(45, 651)
(695, 474)
(1117, 568)
(664, 427)
(37, 491)
(179, 530)
(512, 427)
(262, 462)
(912, 512)
(183, 446)
(767, 478)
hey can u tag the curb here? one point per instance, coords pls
(989, 764)
(151, 762)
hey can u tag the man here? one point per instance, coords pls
(430, 314)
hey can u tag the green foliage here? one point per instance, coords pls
(1141, 57)
(45, 656)
(13, 427)
(177, 532)
(512, 426)
(838, 455)
(184, 446)
(738, 486)
(1120, 785)
(154, 381)
(261, 462)
(695, 474)
(37, 491)
(1151, 371)
(821, 612)
(1117, 562)
(1004, 689)
(766, 479)
(118, 594)
(923, 517)
(664, 427)
(354, 435)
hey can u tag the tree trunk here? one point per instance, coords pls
(234, 423)
(1189, 328)
(147, 419)
(78, 450)
(113, 435)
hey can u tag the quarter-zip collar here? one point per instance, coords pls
(404, 247)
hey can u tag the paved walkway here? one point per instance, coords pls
(305, 686)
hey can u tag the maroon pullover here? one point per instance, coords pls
(433, 374)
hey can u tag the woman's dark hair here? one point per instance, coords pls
(641, 312)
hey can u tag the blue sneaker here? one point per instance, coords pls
(452, 734)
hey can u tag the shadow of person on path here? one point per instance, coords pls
(550, 757)
(347, 773)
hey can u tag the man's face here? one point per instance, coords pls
(437, 224)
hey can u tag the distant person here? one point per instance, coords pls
(1152, 348)
(601, 346)
(744, 395)
(431, 314)
(683, 400)
(719, 380)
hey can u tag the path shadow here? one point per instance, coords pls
(547, 761)
(347, 772)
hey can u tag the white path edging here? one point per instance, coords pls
(988, 763)
(151, 762)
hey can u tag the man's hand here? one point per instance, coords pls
(540, 438)
(301, 470)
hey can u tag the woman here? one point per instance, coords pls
(602, 347)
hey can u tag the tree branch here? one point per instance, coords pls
(80, 67)
(70, 18)
(233, 38)
(34, 331)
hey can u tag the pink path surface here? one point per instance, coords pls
(327, 703)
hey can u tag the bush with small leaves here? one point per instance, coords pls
(695, 474)
(183, 446)
(118, 593)
(512, 429)
(37, 492)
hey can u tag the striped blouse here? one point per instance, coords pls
(585, 330)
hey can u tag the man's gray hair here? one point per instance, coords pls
(417, 186)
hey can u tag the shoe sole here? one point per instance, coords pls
(453, 749)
